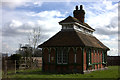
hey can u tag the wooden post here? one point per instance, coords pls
(5, 68)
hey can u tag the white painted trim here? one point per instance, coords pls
(83, 26)
(77, 24)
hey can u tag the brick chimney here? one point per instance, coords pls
(79, 14)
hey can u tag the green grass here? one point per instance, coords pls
(111, 72)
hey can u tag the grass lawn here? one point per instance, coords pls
(111, 72)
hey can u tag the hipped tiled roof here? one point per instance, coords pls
(70, 19)
(73, 38)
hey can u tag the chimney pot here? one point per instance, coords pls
(76, 7)
(81, 7)
(79, 14)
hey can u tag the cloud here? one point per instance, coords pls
(17, 26)
(102, 16)
(99, 16)
(16, 29)
(102, 37)
(7, 48)
(106, 31)
(13, 4)
(113, 52)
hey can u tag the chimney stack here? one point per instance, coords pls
(79, 14)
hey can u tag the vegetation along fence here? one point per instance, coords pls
(10, 65)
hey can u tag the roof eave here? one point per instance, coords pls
(83, 26)
(62, 23)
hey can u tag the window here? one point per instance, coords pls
(63, 27)
(88, 56)
(65, 56)
(76, 27)
(59, 56)
(62, 56)
(81, 28)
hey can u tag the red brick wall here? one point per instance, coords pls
(45, 55)
(79, 56)
(64, 68)
(46, 68)
(95, 66)
(79, 68)
(85, 59)
(52, 68)
(92, 57)
(45, 58)
(58, 68)
(71, 67)
(71, 55)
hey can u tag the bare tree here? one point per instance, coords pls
(34, 38)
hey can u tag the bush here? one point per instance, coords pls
(16, 57)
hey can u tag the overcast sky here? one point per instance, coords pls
(19, 18)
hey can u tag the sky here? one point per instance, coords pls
(19, 18)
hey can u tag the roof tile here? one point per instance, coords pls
(73, 38)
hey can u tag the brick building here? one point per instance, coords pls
(74, 48)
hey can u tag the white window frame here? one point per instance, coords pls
(61, 55)
(59, 58)
(89, 58)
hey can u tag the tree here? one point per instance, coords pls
(16, 57)
(34, 38)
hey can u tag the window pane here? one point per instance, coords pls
(59, 56)
(65, 56)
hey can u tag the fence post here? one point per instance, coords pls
(5, 68)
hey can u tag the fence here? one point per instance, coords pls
(113, 60)
(10, 65)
